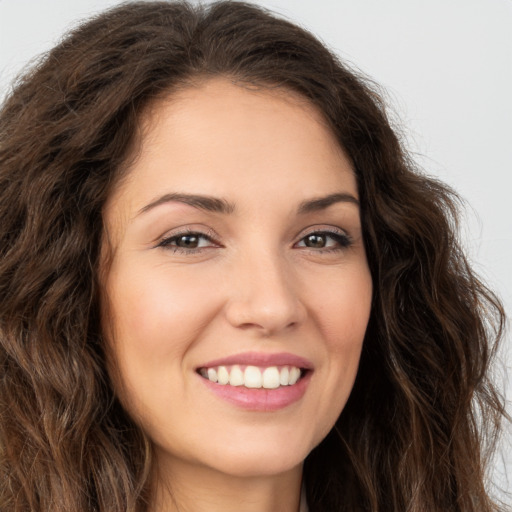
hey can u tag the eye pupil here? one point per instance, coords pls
(316, 241)
(189, 241)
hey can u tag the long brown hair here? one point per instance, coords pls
(423, 414)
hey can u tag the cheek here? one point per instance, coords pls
(157, 310)
(154, 320)
(343, 309)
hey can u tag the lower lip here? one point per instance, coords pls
(261, 400)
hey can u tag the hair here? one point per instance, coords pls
(423, 416)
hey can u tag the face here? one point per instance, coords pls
(238, 292)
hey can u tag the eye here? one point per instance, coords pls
(325, 240)
(187, 242)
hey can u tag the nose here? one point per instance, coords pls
(264, 296)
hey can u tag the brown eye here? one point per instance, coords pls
(325, 240)
(315, 241)
(187, 241)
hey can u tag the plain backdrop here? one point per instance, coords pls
(447, 68)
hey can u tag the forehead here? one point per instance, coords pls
(219, 91)
(217, 138)
(213, 107)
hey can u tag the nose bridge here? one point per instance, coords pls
(264, 293)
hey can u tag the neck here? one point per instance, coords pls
(191, 488)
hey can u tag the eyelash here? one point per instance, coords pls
(167, 241)
(343, 241)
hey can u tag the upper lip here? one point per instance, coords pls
(261, 359)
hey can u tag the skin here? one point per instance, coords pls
(255, 284)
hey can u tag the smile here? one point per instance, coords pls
(258, 382)
(253, 377)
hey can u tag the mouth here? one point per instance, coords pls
(253, 377)
(257, 381)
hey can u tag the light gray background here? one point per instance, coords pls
(447, 68)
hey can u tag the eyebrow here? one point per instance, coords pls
(207, 203)
(321, 203)
(219, 205)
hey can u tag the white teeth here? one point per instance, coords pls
(271, 378)
(222, 375)
(212, 374)
(284, 376)
(236, 377)
(294, 375)
(253, 377)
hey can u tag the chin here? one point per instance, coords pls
(264, 457)
(257, 465)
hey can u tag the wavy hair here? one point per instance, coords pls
(423, 414)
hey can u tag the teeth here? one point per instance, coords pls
(271, 378)
(294, 375)
(236, 377)
(253, 377)
(284, 376)
(222, 375)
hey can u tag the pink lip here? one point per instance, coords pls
(261, 359)
(261, 400)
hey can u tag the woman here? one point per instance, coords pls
(224, 285)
